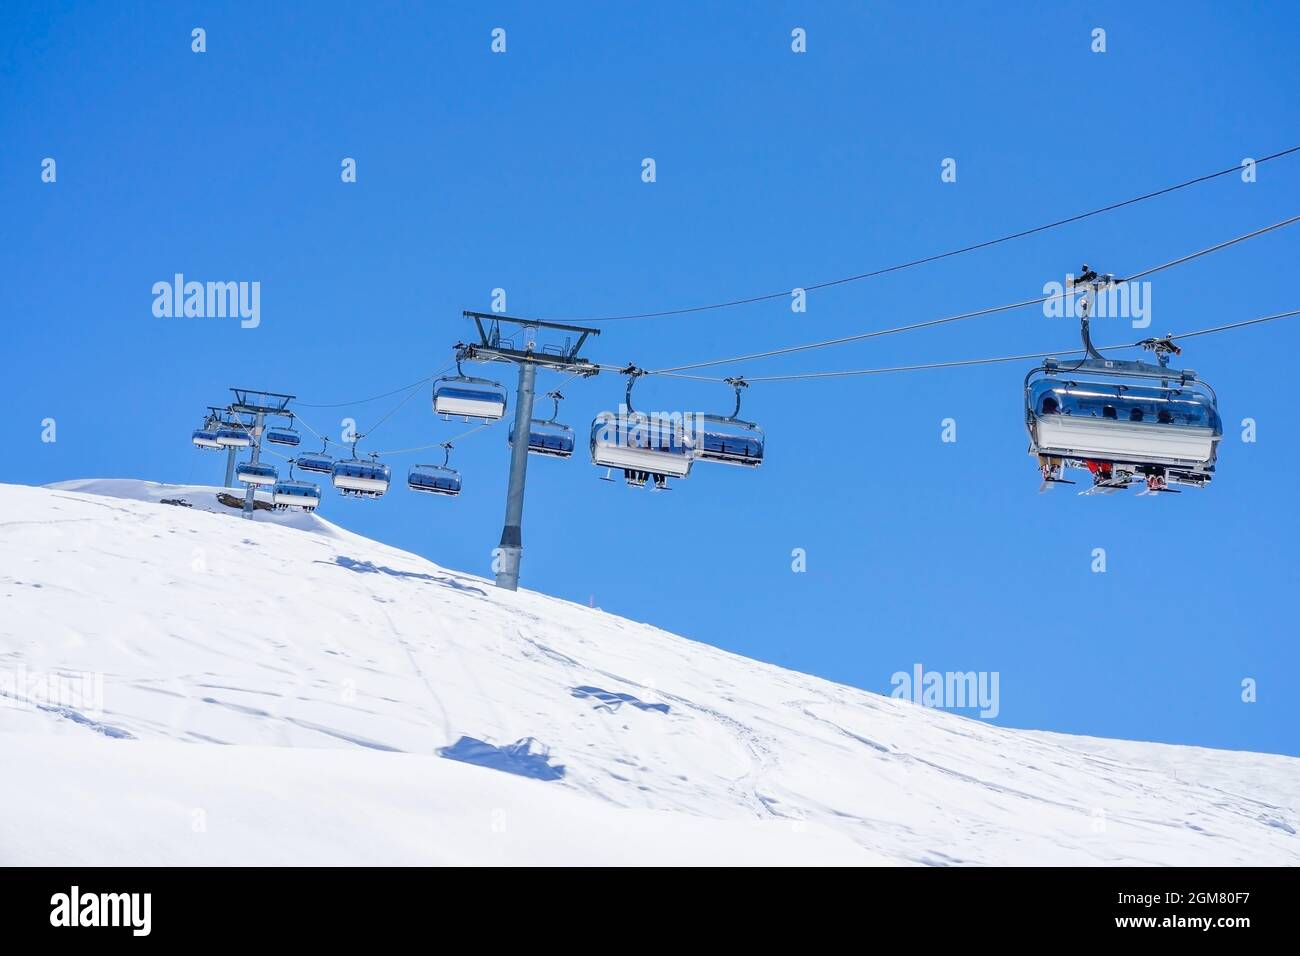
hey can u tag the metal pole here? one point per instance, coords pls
(251, 490)
(512, 539)
(230, 467)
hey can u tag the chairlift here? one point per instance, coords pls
(320, 462)
(281, 435)
(205, 436)
(255, 473)
(435, 479)
(293, 493)
(643, 446)
(729, 440)
(233, 435)
(1123, 421)
(464, 396)
(546, 436)
(360, 477)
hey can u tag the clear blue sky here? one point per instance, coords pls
(522, 171)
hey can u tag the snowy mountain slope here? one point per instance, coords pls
(358, 685)
(160, 803)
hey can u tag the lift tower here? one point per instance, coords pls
(258, 405)
(495, 347)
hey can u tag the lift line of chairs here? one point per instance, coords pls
(216, 433)
(642, 446)
(1124, 422)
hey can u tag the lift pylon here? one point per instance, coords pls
(496, 344)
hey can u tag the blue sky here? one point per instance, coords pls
(523, 171)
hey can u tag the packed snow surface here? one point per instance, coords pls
(179, 685)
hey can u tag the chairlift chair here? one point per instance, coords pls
(233, 435)
(641, 445)
(464, 396)
(319, 462)
(251, 473)
(1122, 420)
(293, 493)
(361, 477)
(280, 435)
(435, 479)
(546, 436)
(728, 439)
(205, 436)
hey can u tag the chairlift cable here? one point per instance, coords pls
(1236, 325)
(784, 293)
(392, 411)
(862, 336)
(438, 444)
(412, 386)
(307, 425)
(1009, 358)
(375, 398)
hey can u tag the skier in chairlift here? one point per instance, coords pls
(1156, 480)
(1102, 471)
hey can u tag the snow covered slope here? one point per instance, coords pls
(281, 690)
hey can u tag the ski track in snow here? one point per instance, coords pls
(288, 634)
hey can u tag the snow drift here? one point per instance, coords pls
(283, 691)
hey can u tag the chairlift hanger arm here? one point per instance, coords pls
(632, 373)
(555, 413)
(1085, 332)
(738, 383)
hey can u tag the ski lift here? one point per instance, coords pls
(435, 479)
(546, 436)
(295, 494)
(1123, 421)
(320, 462)
(283, 436)
(205, 436)
(364, 478)
(254, 473)
(467, 397)
(729, 440)
(642, 445)
(233, 435)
